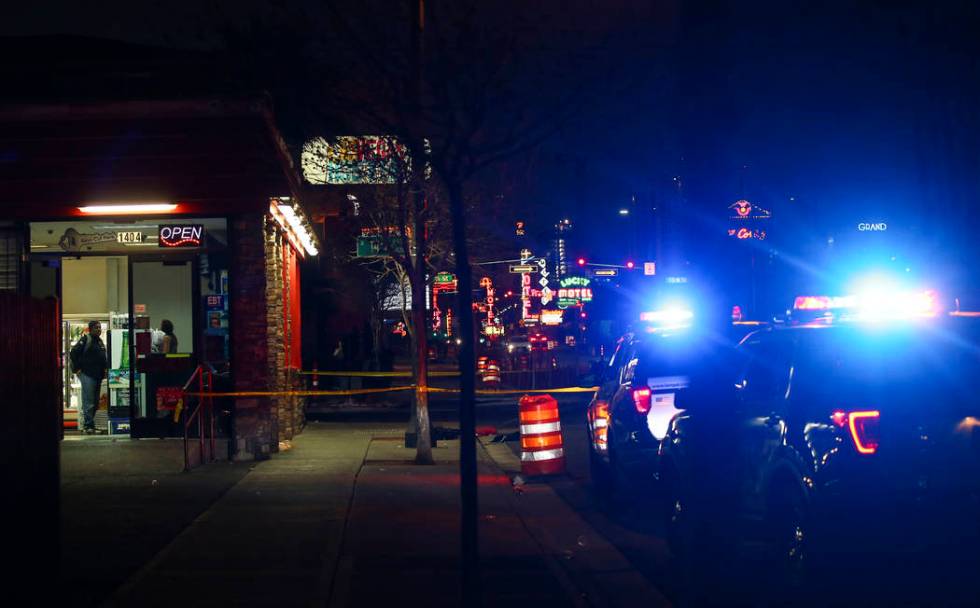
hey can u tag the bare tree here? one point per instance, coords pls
(482, 82)
(467, 85)
(401, 215)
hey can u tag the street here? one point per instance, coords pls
(276, 277)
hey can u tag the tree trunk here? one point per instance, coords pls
(423, 445)
(471, 590)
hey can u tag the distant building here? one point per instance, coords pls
(563, 230)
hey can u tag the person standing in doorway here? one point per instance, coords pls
(169, 343)
(89, 363)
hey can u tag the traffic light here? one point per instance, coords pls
(630, 265)
(581, 261)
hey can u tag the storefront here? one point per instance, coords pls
(133, 275)
(175, 219)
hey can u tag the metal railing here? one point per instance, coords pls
(204, 408)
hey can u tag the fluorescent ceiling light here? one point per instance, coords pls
(128, 209)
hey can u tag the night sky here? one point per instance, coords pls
(828, 114)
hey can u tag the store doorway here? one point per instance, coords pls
(93, 288)
(163, 352)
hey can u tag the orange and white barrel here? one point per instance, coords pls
(491, 375)
(542, 448)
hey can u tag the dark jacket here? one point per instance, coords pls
(173, 344)
(89, 357)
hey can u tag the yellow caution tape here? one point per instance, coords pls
(377, 374)
(368, 391)
(359, 391)
(572, 389)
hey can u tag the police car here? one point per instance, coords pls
(630, 412)
(853, 426)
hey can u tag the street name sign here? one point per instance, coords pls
(522, 268)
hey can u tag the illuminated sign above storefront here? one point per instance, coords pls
(369, 159)
(181, 235)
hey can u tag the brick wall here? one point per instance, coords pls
(254, 430)
(275, 337)
(261, 334)
(281, 324)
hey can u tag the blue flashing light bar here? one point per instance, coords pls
(874, 304)
(668, 318)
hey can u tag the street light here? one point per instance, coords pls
(624, 211)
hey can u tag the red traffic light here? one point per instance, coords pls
(581, 261)
(630, 265)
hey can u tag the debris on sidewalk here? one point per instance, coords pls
(505, 437)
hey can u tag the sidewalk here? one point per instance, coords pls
(345, 519)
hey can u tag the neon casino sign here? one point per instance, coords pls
(745, 233)
(181, 235)
(574, 291)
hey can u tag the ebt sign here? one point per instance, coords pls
(872, 227)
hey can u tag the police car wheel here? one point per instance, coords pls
(788, 533)
(674, 515)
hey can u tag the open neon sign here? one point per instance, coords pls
(181, 235)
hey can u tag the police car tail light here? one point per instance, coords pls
(599, 419)
(642, 399)
(863, 427)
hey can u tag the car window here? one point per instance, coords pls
(855, 368)
(766, 368)
(610, 372)
(628, 368)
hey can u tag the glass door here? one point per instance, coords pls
(161, 343)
